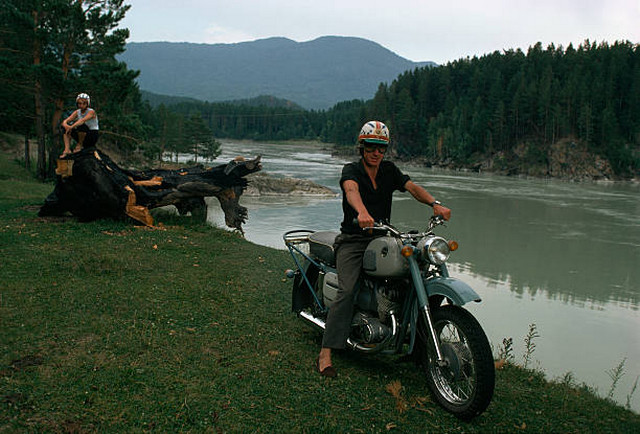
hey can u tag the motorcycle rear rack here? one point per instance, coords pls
(295, 240)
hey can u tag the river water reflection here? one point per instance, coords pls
(562, 256)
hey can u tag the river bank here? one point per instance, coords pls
(495, 215)
(507, 224)
(98, 336)
(565, 160)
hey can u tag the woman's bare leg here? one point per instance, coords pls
(66, 137)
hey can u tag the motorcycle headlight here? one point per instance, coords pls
(437, 250)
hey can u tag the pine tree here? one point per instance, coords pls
(199, 140)
(71, 46)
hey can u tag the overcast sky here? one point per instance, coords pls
(418, 30)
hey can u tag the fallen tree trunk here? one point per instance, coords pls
(91, 186)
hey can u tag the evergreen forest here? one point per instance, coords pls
(508, 103)
(477, 107)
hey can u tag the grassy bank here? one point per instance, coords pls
(107, 327)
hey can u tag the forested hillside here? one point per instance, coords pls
(502, 101)
(513, 112)
(512, 108)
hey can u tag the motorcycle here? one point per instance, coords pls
(406, 304)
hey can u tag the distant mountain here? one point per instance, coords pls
(156, 99)
(263, 100)
(315, 74)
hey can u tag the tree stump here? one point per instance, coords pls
(91, 186)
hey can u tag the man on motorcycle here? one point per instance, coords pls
(367, 189)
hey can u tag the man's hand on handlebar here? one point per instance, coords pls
(442, 211)
(365, 220)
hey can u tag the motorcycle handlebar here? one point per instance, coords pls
(434, 221)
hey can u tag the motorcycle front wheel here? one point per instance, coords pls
(464, 386)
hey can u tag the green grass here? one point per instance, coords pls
(107, 327)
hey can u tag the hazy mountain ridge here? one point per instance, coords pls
(315, 74)
(155, 100)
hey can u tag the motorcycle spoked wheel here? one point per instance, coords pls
(465, 386)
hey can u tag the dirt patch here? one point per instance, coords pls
(26, 362)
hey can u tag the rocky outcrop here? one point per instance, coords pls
(565, 159)
(265, 185)
(570, 160)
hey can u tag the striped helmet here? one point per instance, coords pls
(374, 132)
(84, 96)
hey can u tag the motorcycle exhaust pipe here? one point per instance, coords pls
(350, 343)
(312, 320)
(321, 325)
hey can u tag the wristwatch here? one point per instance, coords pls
(435, 202)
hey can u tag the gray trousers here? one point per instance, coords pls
(349, 252)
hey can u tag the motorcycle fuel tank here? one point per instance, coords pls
(382, 258)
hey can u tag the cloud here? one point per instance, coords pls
(415, 29)
(215, 34)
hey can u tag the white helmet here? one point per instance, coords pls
(84, 96)
(374, 132)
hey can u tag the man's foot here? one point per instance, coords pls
(327, 371)
(65, 154)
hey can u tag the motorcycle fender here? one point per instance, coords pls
(453, 289)
(301, 296)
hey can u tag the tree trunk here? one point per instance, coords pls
(39, 107)
(42, 155)
(59, 101)
(27, 153)
(91, 186)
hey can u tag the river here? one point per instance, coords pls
(563, 256)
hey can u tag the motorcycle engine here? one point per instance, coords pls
(369, 329)
(375, 297)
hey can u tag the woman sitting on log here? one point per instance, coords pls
(81, 125)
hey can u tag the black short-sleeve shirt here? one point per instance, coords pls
(377, 201)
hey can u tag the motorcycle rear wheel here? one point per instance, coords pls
(465, 386)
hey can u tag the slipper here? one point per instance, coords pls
(329, 371)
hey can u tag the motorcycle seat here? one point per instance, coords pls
(321, 246)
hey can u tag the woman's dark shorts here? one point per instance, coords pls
(90, 139)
